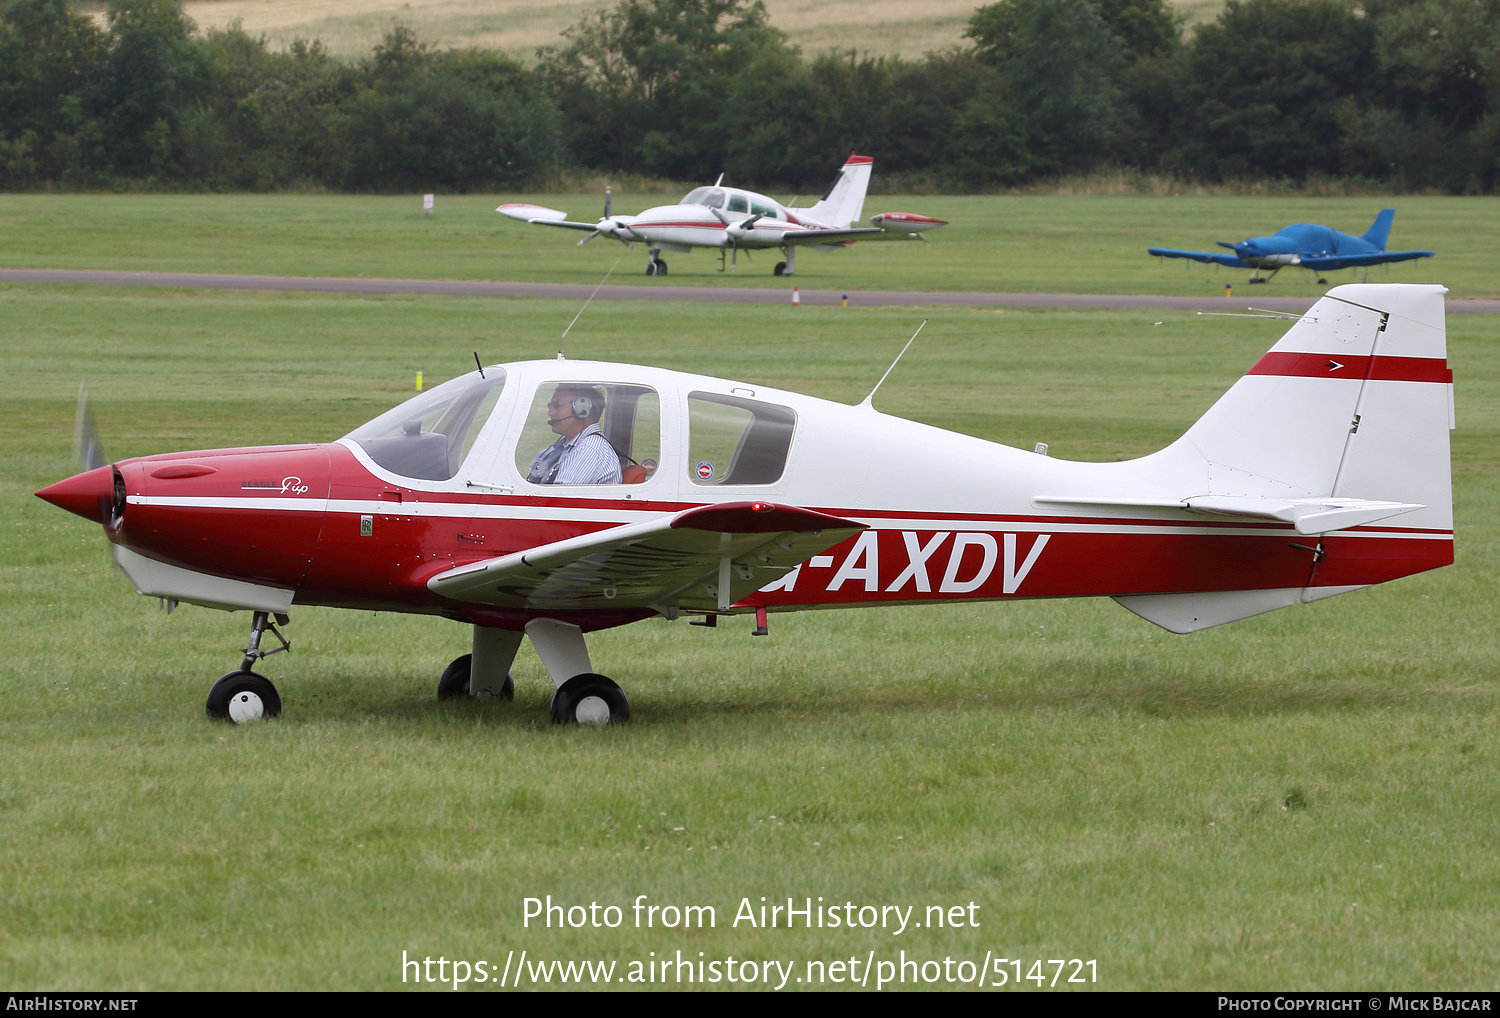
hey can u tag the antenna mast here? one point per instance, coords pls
(868, 400)
(564, 340)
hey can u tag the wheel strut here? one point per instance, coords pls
(262, 624)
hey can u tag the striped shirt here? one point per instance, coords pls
(586, 459)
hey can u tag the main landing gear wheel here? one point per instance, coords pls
(780, 269)
(656, 267)
(589, 699)
(454, 685)
(243, 696)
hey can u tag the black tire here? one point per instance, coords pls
(582, 698)
(780, 269)
(454, 684)
(651, 267)
(243, 696)
(661, 267)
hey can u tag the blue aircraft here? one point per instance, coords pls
(1307, 246)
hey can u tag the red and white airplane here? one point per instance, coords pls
(1322, 470)
(729, 219)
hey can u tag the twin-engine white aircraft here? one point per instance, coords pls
(729, 219)
(548, 499)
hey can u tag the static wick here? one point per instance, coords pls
(869, 400)
(1259, 314)
(563, 342)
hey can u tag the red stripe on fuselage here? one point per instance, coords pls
(1323, 365)
(330, 561)
(1091, 565)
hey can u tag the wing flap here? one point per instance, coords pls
(832, 236)
(702, 559)
(1310, 515)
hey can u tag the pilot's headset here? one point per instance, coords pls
(585, 402)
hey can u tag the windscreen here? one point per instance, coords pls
(428, 436)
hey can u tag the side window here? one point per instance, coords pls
(590, 432)
(737, 441)
(769, 211)
(737, 203)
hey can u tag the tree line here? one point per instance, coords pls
(1401, 93)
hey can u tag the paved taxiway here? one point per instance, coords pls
(654, 291)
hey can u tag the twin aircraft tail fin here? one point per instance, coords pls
(1380, 231)
(1342, 430)
(845, 200)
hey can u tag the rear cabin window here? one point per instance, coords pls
(629, 421)
(733, 440)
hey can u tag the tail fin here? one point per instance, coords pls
(1380, 231)
(1353, 402)
(845, 200)
(1343, 424)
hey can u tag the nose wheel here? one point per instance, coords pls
(245, 695)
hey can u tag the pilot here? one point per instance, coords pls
(581, 454)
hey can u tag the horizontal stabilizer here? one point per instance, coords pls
(702, 559)
(1307, 515)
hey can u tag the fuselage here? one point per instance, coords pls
(1290, 245)
(693, 222)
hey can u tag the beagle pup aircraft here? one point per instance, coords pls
(729, 219)
(1318, 249)
(551, 498)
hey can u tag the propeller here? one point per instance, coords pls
(608, 227)
(736, 233)
(86, 448)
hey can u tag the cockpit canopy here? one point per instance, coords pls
(603, 431)
(734, 201)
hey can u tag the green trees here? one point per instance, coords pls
(1406, 91)
(645, 84)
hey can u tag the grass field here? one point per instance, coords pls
(352, 27)
(1074, 243)
(1303, 800)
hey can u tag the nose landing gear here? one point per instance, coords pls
(244, 695)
